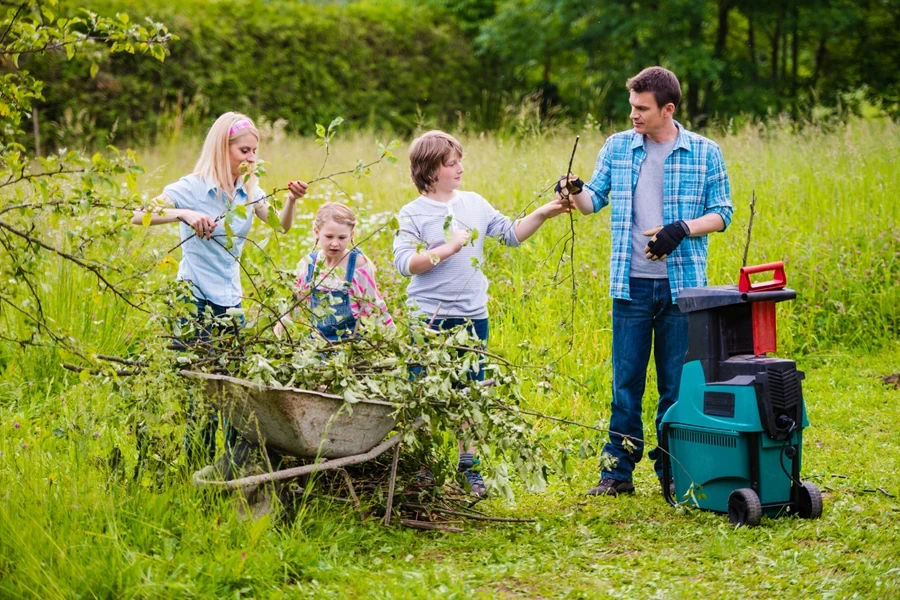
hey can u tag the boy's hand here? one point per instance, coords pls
(555, 207)
(459, 239)
(296, 189)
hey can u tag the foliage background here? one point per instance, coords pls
(472, 65)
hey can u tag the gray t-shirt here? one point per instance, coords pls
(647, 210)
(457, 285)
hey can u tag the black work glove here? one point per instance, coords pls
(666, 240)
(574, 187)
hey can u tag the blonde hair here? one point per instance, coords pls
(213, 164)
(426, 155)
(332, 211)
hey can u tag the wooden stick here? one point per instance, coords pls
(749, 228)
(474, 517)
(389, 505)
(429, 526)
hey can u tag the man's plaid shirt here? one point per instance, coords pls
(695, 184)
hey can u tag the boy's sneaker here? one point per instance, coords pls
(466, 466)
(611, 487)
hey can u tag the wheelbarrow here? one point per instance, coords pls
(304, 424)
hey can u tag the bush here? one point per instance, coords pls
(378, 64)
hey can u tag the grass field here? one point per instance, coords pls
(72, 525)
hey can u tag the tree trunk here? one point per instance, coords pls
(776, 40)
(795, 52)
(37, 132)
(821, 54)
(718, 52)
(751, 42)
(693, 94)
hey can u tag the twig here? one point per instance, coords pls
(749, 228)
(474, 517)
(429, 526)
(393, 482)
(571, 244)
(77, 369)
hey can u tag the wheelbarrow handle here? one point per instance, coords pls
(200, 477)
(778, 281)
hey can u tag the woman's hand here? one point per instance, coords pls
(203, 225)
(296, 189)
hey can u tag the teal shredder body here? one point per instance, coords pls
(733, 440)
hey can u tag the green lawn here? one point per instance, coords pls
(76, 523)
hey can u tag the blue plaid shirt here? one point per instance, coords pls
(695, 184)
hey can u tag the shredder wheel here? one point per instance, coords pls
(809, 501)
(744, 508)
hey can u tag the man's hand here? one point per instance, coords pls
(574, 185)
(202, 225)
(664, 240)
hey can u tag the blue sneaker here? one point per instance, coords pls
(466, 466)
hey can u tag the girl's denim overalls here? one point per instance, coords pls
(341, 323)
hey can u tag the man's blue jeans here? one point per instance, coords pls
(650, 316)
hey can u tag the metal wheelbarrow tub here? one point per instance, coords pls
(301, 423)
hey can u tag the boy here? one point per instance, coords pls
(446, 283)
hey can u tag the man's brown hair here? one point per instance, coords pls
(426, 155)
(662, 82)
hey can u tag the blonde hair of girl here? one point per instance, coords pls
(332, 211)
(213, 164)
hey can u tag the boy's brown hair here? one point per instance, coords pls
(662, 82)
(426, 155)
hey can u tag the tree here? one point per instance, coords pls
(60, 207)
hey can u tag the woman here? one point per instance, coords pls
(201, 201)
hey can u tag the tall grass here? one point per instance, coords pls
(73, 524)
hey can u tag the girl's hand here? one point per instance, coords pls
(296, 189)
(203, 225)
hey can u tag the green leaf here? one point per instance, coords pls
(94, 68)
(84, 375)
(273, 221)
(146, 218)
(123, 17)
(320, 130)
(70, 51)
(241, 210)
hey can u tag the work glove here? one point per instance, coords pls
(574, 186)
(665, 239)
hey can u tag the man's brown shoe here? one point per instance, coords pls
(611, 487)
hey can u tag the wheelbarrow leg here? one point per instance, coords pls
(389, 505)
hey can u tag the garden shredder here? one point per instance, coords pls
(733, 440)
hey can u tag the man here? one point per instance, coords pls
(667, 189)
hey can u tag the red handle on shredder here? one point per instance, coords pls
(778, 281)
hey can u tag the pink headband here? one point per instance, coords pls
(239, 125)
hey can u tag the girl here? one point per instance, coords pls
(339, 278)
